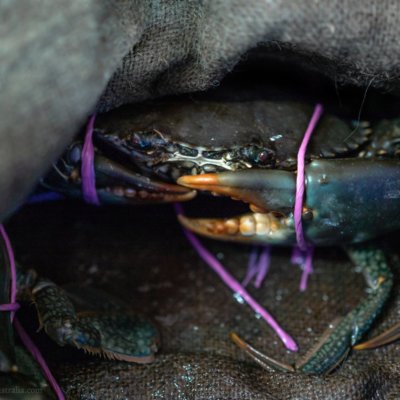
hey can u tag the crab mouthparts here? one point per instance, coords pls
(261, 225)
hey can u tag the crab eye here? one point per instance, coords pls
(263, 157)
(259, 156)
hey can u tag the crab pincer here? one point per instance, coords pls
(116, 182)
(348, 202)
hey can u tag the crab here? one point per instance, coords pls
(248, 152)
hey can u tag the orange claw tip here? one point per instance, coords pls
(216, 183)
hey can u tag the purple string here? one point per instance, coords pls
(13, 306)
(251, 267)
(13, 289)
(26, 340)
(9, 307)
(298, 206)
(235, 286)
(264, 262)
(87, 168)
(258, 266)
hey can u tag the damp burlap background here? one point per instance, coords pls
(60, 61)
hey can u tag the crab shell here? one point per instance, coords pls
(178, 137)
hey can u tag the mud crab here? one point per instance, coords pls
(248, 152)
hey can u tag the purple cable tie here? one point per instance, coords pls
(298, 206)
(236, 287)
(13, 306)
(87, 168)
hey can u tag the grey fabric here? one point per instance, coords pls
(56, 58)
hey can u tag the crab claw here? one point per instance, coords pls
(249, 228)
(331, 206)
(264, 190)
(118, 184)
(115, 182)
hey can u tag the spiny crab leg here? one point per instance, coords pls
(262, 189)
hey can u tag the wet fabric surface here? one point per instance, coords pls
(140, 256)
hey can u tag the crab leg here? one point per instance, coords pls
(341, 336)
(113, 335)
(354, 325)
(389, 336)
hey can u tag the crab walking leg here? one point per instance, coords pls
(58, 317)
(344, 333)
(116, 335)
(389, 336)
(354, 325)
